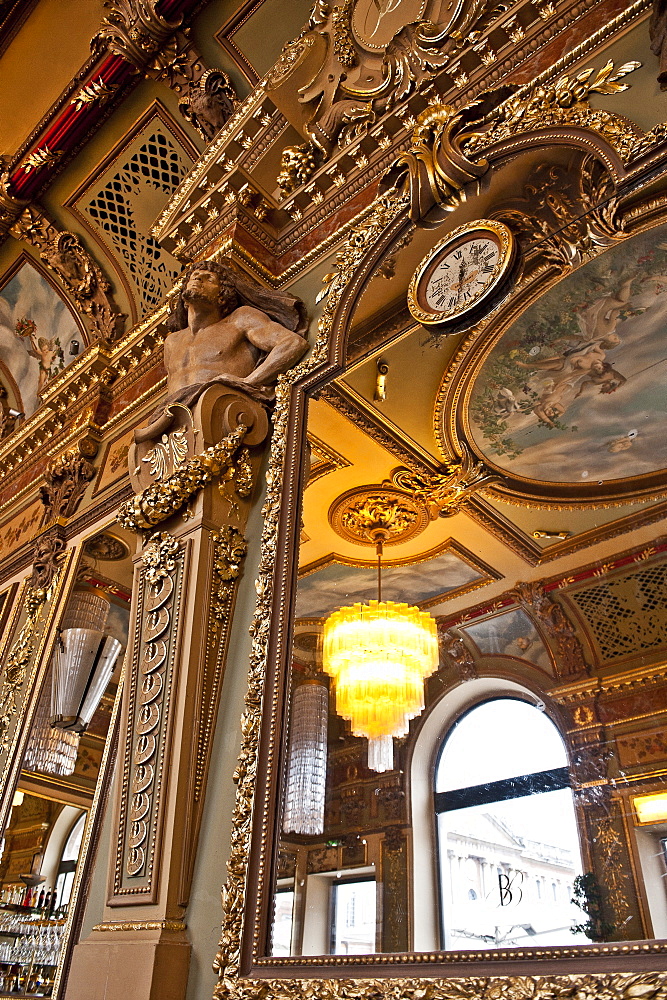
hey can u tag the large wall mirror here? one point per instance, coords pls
(472, 774)
(67, 747)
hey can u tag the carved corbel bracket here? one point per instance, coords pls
(450, 149)
(134, 30)
(443, 493)
(65, 482)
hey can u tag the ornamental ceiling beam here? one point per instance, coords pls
(136, 38)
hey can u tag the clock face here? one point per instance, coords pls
(460, 274)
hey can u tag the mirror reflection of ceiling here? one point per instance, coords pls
(574, 389)
(570, 391)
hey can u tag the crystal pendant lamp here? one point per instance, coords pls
(307, 766)
(83, 662)
(379, 655)
(79, 673)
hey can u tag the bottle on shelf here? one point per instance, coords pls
(47, 901)
(40, 901)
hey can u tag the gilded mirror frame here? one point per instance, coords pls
(614, 970)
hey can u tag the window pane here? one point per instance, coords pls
(354, 918)
(507, 871)
(73, 845)
(282, 923)
(499, 739)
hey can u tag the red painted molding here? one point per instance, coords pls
(64, 131)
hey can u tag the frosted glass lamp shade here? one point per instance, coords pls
(50, 751)
(83, 663)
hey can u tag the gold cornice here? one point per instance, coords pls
(354, 169)
(590, 688)
(112, 926)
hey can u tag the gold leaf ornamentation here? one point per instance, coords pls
(163, 499)
(444, 492)
(93, 92)
(42, 157)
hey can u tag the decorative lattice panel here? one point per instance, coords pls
(125, 206)
(628, 614)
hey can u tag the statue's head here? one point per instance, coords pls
(210, 281)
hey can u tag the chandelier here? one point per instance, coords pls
(307, 767)
(83, 662)
(79, 672)
(378, 655)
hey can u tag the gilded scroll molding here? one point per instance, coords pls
(82, 278)
(448, 147)
(443, 493)
(16, 665)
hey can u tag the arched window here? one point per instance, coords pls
(502, 797)
(67, 866)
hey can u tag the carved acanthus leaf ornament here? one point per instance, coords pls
(134, 30)
(164, 498)
(534, 598)
(81, 276)
(443, 492)
(571, 211)
(65, 482)
(448, 147)
(343, 110)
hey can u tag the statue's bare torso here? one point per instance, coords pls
(223, 348)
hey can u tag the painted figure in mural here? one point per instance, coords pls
(46, 351)
(582, 359)
(229, 331)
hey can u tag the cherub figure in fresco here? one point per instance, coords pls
(47, 351)
(599, 320)
(598, 325)
(603, 374)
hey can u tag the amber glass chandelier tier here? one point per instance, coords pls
(378, 655)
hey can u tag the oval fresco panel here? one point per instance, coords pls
(574, 391)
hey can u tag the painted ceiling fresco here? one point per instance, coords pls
(575, 389)
(38, 334)
(511, 634)
(335, 585)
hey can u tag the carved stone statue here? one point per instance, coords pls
(658, 34)
(227, 331)
(209, 102)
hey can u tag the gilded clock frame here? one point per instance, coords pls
(506, 244)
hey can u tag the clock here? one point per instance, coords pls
(462, 274)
